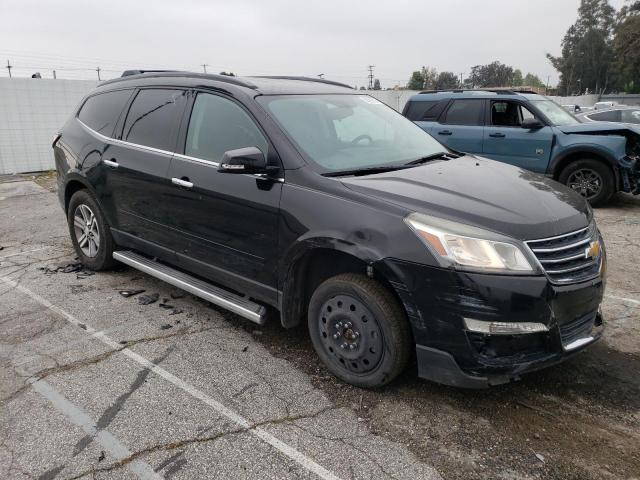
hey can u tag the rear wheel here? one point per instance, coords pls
(591, 178)
(359, 330)
(90, 232)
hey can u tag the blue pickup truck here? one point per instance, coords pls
(531, 131)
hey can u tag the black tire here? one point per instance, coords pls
(350, 304)
(593, 179)
(100, 257)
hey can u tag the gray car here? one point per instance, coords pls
(629, 115)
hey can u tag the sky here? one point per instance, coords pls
(339, 39)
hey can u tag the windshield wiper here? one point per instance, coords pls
(366, 171)
(435, 156)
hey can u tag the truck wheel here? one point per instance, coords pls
(359, 330)
(592, 179)
(90, 232)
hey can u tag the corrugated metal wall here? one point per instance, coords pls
(31, 112)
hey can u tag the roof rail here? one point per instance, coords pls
(489, 90)
(305, 79)
(135, 74)
(127, 73)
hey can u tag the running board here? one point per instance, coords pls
(216, 295)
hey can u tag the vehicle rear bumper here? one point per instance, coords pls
(439, 300)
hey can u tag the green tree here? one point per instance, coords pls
(495, 74)
(587, 54)
(416, 81)
(531, 80)
(446, 81)
(626, 45)
(517, 80)
(376, 84)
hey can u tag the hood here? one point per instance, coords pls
(593, 128)
(481, 192)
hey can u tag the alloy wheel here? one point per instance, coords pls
(586, 182)
(86, 230)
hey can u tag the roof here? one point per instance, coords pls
(501, 94)
(277, 85)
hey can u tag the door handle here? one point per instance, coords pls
(445, 132)
(182, 182)
(497, 135)
(111, 163)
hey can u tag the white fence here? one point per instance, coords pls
(32, 110)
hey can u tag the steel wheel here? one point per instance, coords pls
(350, 334)
(86, 230)
(586, 182)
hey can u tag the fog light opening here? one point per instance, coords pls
(504, 328)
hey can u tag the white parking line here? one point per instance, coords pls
(22, 253)
(623, 299)
(80, 418)
(286, 449)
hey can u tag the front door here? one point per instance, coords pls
(224, 225)
(507, 141)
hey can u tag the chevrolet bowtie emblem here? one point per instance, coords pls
(593, 251)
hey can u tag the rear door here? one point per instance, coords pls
(461, 127)
(224, 226)
(507, 141)
(139, 162)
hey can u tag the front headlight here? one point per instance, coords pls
(468, 247)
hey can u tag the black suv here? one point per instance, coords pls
(308, 198)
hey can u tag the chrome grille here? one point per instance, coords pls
(564, 258)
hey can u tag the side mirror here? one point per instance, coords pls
(532, 124)
(243, 160)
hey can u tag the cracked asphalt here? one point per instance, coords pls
(96, 385)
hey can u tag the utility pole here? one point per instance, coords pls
(461, 82)
(321, 75)
(546, 88)
(9, 67)
(98, 70)
(204, 67)
(424, 77)
(54, 74)
(370, 67)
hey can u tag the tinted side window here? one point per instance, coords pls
(465, 112)
(154, 117)
(611, 116)
(218, 125)
(425, 111)
(101, 112)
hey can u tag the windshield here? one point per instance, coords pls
(349, 132)
(555, 113)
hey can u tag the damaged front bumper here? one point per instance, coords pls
(476, 330)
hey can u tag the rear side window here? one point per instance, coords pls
(611, 116)
(154, 117)
(218, 125)
(465, 112)
(425, 111)
(101, 112)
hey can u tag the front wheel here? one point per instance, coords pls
(90, 232)
(592, 179)
(359, 330)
